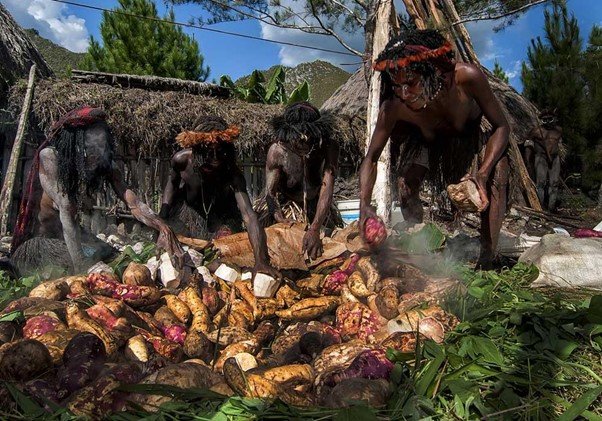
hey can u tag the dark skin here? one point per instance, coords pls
(59, 215)
(216, 191)
(284, 175)
(543, 161)
(464, 97)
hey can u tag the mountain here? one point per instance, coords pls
(58, 58)
(323, 79)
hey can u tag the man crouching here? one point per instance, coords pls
(205, 175)
(71, 166)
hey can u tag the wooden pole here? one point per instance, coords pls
(382, 187)
(6, 195)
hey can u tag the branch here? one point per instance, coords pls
(331, 32)
(503, 15)
(351, 12)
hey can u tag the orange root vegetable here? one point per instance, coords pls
(201, 322)
(178, 308)
(134, 295)
(309, 308)
(369, 272)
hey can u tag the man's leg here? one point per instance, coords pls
(409, 184)
(554, 184)
(541, 176)
(492, 218)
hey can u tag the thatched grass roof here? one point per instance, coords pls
(148, 121)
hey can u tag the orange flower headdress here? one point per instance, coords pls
(422, 53)
(190, 139)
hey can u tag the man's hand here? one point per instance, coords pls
(263, 267)
(481, 183)
(167, 241)
(365, 213)
(312, 244)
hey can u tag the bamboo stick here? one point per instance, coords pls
(6, 195)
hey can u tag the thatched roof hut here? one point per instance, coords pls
(17, 53)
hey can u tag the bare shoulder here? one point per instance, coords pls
(275, 154)
(468, 74)
(48, 158)
(180, 159)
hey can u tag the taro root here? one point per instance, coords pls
(178, 308)
(387, 301)
(136, 349)
(357, 285)
(401, 341)
(369, 364)
(80, 320)
(196, 345)
(84, 346)
(39, 325)
(432, 322)
(251, 346)
(137, 274)
(23, 360)
(56, 342)
(465, 195)
(375, 231)
(229, 335)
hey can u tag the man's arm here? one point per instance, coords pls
(143, 213)
(387, 118)
(256, 232)
(272, 181)
(67, 210)
(478, 88)
(178, 164)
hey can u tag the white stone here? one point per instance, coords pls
(207, 277)
(264, 286)
(566, 262)
(227, 273)
(100, 267)
(169, 275)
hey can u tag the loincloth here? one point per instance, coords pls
(292, 210)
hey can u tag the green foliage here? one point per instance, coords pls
(560, 75)
(499, 72)
(11, 289)
(486, 8)
(60, 60)
(256, 90)
(428, 239)
(128, 255)
(144, 46)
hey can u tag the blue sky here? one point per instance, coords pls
(71, 26)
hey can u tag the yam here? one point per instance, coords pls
(84, 346)
(369, 273)
(357, 285)
(250, 346)
(178, 308)
(465, 196)
(228, 335)
(196, 345)
(53, 290)
(309, 308)
(292, 372)
(79, 319)
(201, 322)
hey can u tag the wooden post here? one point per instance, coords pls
(6, 195)
(382, 187)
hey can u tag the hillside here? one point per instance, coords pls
(323, 78)
(58, 58)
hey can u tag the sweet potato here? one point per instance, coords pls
(432, 322)
(357, 285)
(387, 301)
(23, 303)
(133, 295)
(117, 307)
(287, 296)
(137, 274)
(347, 296)
(84, 346)
(228, 335)
(79, 319)
(265, 332)
(165, 316)
(355, 320)
(78, 289)
(175, 333)
(241, 315)
(150, 324)
(338, 355)
(118, 327)
(375, 231)
(244, 291)
(401, 341)
(53, 290)
(249, 385)
(309, 308)
(178, 308)
(196, 345)
(201, 322)
(39, 325)
(164, 347)
(334, 282)
(369, 272)
(311, 286)
(98, 399)
(290, 373)
(369, 364)
(136, 349)
(211, 299)
(22, 360)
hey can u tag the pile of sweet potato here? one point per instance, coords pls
(321, 340)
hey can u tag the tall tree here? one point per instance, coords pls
(135, 45)
(552, 77)
(499, 72)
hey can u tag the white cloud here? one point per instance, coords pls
(515, 69)
(481, 35)
(52, 21)
(291, 56)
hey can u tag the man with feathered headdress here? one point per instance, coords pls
(205, 175)
(301, 166)
(74, 163)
